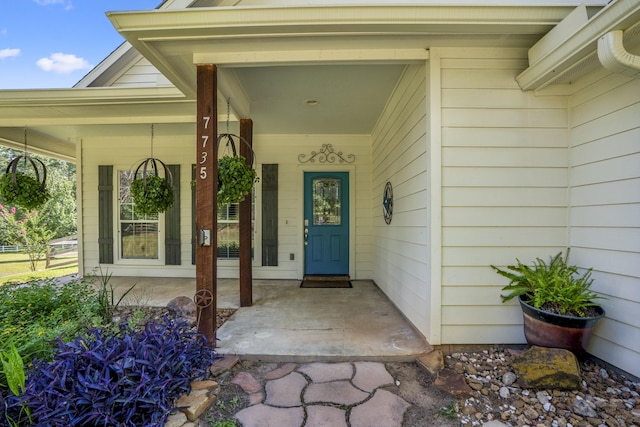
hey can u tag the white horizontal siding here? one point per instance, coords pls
(483, 333)
(504, 188)
(508, 216)
(605, 208)
(506, 137)
(140, 74)
(126, 152)
(401, 250)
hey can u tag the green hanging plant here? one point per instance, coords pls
(27, 192)
(20, 189)
(235, 179)
(151, 194)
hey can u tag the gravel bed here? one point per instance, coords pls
(607, 398)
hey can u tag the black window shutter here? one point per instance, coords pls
(269, 181)
(105, 214)
(172, 222)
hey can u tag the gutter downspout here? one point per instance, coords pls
(614, 57)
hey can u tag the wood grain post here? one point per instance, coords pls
(244, 216)
(207, 197)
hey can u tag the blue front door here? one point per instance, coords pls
(326, 223)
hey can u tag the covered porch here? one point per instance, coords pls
(286, 322)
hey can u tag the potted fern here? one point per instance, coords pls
(557, 301)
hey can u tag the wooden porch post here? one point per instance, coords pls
(244, 216)
(206, 200)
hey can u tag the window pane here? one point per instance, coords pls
(326, 201)
(139, 240)
(138, 233)
(229, 230)
(228, 240)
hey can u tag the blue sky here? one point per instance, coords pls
(54, 43)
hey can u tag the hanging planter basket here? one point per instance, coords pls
(151, 190)
(23, 189)
(236, 176)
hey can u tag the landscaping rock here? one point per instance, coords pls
(433, 362)
(184, 308)
(209, 385)
(280, 372)
(195, 403)
(551, 368)
(223, 364)
(247, 382)
(453, 383)
(176, 420)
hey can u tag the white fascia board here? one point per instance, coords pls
(306, 57)
(571, 49)
(88, 96)
(244, 3)
(229, 22)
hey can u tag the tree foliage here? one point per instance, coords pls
(31, 233)
(60, 210)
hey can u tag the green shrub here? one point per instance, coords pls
(34, 314)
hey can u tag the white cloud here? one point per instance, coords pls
(8, 53)
(62, 63)
(68, 6)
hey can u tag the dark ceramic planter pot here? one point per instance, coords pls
(546, 329)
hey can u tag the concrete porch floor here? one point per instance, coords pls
(294, 324)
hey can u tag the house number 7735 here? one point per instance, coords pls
(204, 154)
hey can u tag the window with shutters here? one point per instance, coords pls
(139, 235)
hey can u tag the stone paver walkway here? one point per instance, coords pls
(322, 394)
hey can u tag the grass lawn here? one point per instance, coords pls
(14, 267)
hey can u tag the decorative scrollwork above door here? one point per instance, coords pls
(326, 154)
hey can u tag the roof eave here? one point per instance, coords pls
(148, 31)
(569, 50)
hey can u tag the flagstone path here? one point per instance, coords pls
(322, 394)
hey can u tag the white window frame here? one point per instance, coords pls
(118, 226)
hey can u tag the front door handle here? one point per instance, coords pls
(306, 236)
